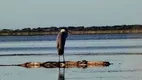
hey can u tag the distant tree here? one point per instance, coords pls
(26, 30)
(39, 29)
(80, 28)
(17, 30)
(6, 30)
(71, 28)
(53, 29)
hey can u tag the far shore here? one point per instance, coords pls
(80, 30)
(72, 32)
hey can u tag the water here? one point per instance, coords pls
(123, 50)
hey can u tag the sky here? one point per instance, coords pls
(17, 14)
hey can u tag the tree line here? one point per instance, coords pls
(98, 29)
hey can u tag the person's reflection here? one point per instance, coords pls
(61, 75)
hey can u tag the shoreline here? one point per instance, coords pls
(81, 32)
(75, 30)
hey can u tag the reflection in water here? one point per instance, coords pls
(61, 75)
(67, 64)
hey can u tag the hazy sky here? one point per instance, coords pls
(41, 13)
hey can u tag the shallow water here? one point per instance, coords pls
(123, 68)
(122, 50)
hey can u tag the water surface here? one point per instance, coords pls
(123, 50)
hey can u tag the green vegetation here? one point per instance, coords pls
(74, 30)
